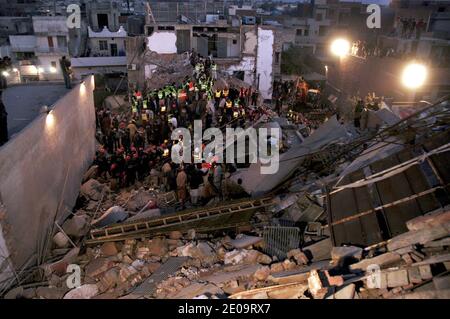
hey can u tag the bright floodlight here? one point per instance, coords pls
(340, 47)
(52, 69)
(40, 69)
(15, 70)
(5, 73)
(414, 75)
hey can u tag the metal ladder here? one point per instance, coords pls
(198, 218)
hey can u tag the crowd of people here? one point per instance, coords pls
(407, 28)
(137, 145)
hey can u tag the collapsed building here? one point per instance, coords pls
(349, 215)
(248, 52)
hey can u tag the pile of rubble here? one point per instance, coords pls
(236, 265)
(167, 69)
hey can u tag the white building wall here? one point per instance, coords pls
(45, 62)
(233, 49)
(251, 42)
(163, 42)
(264, 62)
(247, 65)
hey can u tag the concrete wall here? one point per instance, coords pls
(264, 62)
(79, 73)
(45, 63)
(94, 45)
(41, 171)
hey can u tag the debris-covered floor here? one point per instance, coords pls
(337, 222)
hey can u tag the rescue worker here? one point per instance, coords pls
(181, 187)
(217, 96)
(65, 68)
(225, 92)
(214, 71)
(358, 113)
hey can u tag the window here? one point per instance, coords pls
(234, 41)
(62, 41)
(50, 42)
(53, 64)
(299, 32)
(277, 57)
(102, 20)
(319, 17)
(103, 45)
(322, 31)
(306, 32)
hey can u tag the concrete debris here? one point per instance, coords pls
(245, 241)
(429, 220)
(98, 266)
(93, 189)
(82, 292)
(77, 226)
(15, 293)
(347, 292)
(50, 292)
(218, 267)
(382, 260)
(320, 250)
(345, 252)
(113, 215)
(175, 235)
(288, 291)
(167, 253)
(262, 273)
(61, 240)
(109, 249)
(299, 257)
(241, 256)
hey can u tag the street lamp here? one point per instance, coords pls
(340, 47)
(414, 75)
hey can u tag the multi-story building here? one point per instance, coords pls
(102, 14)
(52, 43)
(193, 11)
(15, 8)
(429, 45)
(12, 26)
(105, 54)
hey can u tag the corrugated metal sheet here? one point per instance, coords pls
(411, 192)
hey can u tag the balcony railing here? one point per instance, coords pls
(52, 50)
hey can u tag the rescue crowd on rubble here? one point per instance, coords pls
(137, 145)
